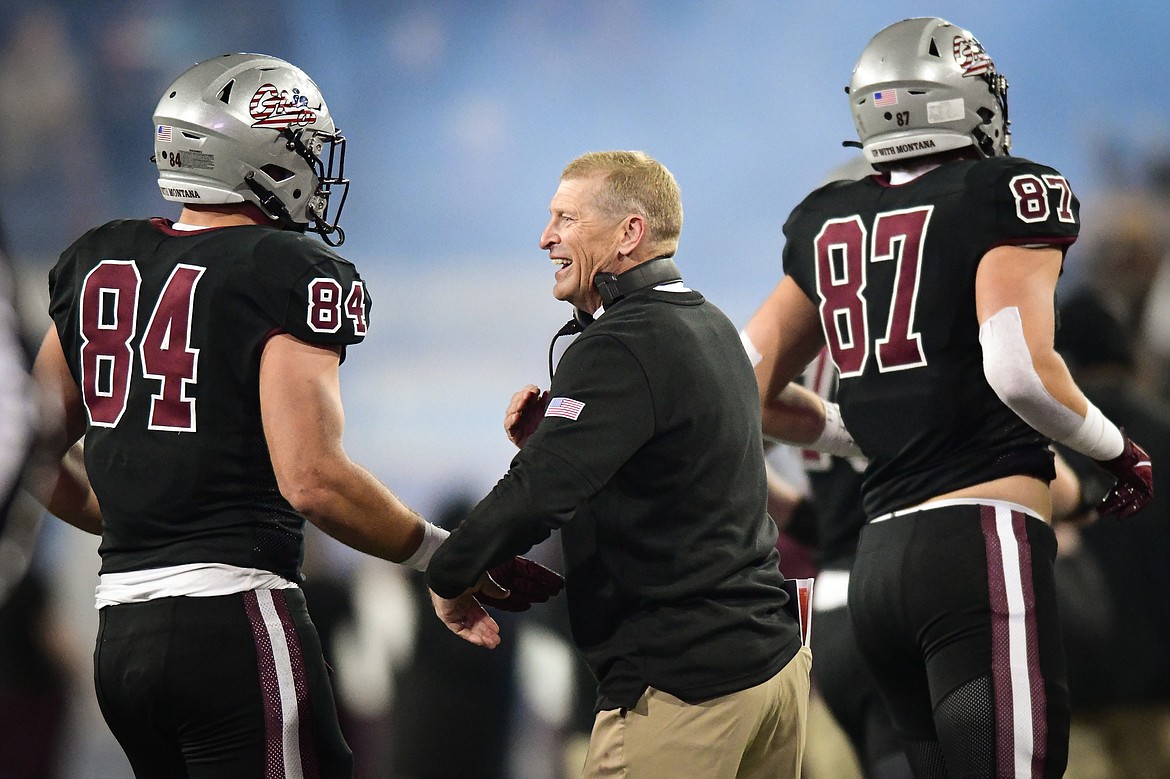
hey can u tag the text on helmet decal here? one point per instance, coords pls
(187, 194)
(972, 59)
(276, 108)
(903, 148)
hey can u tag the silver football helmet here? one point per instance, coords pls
(923, 86)
(252, 128)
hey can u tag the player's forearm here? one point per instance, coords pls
(63, 488)
(794, 415)
(350, 504)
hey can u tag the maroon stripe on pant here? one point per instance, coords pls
(1001, 626)
(304, 703)
(269, 690)
(1001, 671)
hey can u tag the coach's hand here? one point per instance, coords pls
(526, 581)
(524, 413)
(466, 618)
(1135, 480)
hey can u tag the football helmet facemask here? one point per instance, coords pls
(252, 128)
(923, 86)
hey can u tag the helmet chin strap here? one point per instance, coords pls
(270, 203)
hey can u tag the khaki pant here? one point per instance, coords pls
(756, 733)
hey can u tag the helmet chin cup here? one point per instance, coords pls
(923, 86)
(252, 128)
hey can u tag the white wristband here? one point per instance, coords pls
(1097, 436)
(835, 439)
(433, 536)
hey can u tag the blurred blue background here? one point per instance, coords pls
(460, 116)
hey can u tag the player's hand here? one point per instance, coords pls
(525, 582)
(524, 413)
(1135, 480)
(466, 618)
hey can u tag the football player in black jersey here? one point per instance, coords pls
(200, 359)
(932, 285)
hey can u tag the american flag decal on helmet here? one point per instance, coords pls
(564, 407)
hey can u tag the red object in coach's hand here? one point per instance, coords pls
(528, 582)
(1135, 481)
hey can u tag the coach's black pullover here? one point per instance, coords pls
(658, 486)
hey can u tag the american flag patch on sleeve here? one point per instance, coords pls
(564, 407)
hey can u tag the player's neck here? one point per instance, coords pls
(223, 216)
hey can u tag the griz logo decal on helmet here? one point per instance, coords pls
(275, 108)
(971, 57)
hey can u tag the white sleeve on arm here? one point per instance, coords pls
(1007, 364)
(752, 352)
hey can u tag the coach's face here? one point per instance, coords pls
(582, 240)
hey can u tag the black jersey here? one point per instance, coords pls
(892, 271)
(163, 332)
(650, 460)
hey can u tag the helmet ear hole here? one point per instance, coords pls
(986, 114)
(277, 173)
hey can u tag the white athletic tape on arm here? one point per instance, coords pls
(835, 439)
(1007, 364)
(752, 352)
(433, 536)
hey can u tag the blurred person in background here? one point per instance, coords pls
(200, 360)
(1122, 267)
(448, 687)
(17, 403)
(829, 521)
(33, 674)
(932, 285)
(1121, 709)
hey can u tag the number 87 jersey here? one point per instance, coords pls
(163, 331)
(892, 271)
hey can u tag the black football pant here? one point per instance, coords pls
(224, 687)
(955, 614)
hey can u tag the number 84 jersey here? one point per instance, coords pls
(892, 272)
(163, 331)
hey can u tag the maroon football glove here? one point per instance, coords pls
(528, 582)
(1135, 481)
